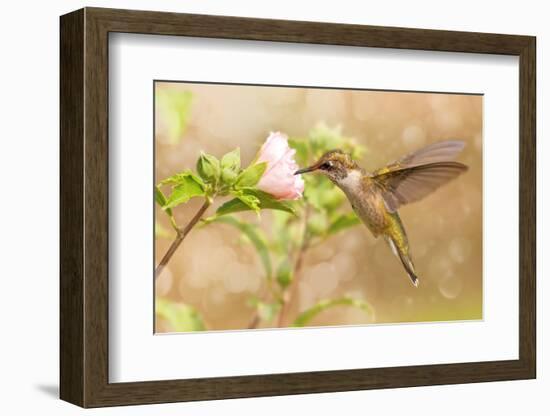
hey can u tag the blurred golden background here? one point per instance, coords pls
(217, 272)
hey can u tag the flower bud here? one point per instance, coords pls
(208, 168)
(230, 166)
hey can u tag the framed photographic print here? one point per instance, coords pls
(256, 207)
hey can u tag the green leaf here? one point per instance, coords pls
(302, 150)
(250, 201)
(280, 232)
(284, 273)
(187, 189)
(174, 107)
(161, 200)
(332, 198)
(356, 150)
(322, 194)
(180, 316)
(254, 236)
(317, 223)
(251, 175)
(265, 201)
(181, 177)
(208, 167)
(314, 187)
(343, 222)
(159, 197)
(323, 138)
(305, 317)
(281, 220)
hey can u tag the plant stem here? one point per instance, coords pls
(181, 234)
(292, 291)
(254, 321)
(256, 317)
(266, 296)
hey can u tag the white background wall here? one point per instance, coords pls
(29, 211)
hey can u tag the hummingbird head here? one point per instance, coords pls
(335, 164)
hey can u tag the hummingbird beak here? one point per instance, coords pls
(306, 170)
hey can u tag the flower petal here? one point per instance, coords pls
(279, 179)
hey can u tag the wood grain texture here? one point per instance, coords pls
(96, 208)
(84, 207)
(527, 208)
(71, 217)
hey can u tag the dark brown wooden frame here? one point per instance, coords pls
(84, 207)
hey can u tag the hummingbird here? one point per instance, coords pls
(376, 196)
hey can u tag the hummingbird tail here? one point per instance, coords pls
(405, 260)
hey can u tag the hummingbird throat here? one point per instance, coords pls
(352, 181)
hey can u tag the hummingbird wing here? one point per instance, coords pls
(418, 174)
(443, 151)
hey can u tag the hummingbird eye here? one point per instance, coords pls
(327, 165)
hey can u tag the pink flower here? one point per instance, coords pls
(279, 179)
